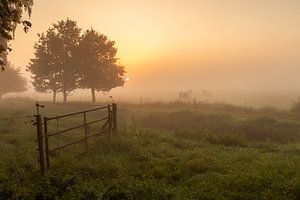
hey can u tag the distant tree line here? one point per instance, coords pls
(67, 59)
(11, 80)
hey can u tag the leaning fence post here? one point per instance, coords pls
(109, 116)
(40, 138)
(46, 142)
(114, 118)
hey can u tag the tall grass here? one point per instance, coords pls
(253, 129)
(161, 152)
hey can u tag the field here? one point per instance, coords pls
(162, 151)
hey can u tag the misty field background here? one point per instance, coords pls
(162, 151)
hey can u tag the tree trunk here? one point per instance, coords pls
(93, 95)
(54, 96)
(65, 96)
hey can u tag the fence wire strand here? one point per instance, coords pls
(25, 119)
(17, 117)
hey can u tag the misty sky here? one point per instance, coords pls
(232, 45)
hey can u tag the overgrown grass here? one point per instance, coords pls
(161, 153)
(224, 126)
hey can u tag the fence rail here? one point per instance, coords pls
(44, 135)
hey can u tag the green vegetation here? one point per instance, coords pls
(66, 59)
(162, 151)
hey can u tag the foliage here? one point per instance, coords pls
(97, 66)
(151, 163)
(11, 14)
(44, 70)
(65, 60)
(53, 66)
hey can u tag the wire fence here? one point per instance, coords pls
(16, 120)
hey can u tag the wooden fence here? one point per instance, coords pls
(109, 126)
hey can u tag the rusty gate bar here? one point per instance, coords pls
(66, 130)
(75, 113)
(98, 120)
(95, 134)
(75, 127)
(69, 144)
(75, 142)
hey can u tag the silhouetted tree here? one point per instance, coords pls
(53, 67)
(96, 63)
(68, 34)
(11, 81)
(45, 67)
(10, 15)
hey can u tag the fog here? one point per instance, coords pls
(242, 52)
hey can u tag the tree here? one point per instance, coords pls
(53, 67)
(96, 64)
(68, 34)
(10, 15)
(11, 81)
(45, 67)
(65, 61)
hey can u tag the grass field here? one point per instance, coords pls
(162, 151)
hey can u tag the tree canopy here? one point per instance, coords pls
(96, 66)
(66, 60)
(44, 67)
(53, 66)
(10, 16)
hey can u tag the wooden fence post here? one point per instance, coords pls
(85, 131)
(40, 139)
(109, 115)
(114, 118)
(46, 142)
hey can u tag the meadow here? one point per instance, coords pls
(161, 151)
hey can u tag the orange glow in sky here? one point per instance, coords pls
(184, 43)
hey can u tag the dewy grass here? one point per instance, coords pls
(165, 153)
